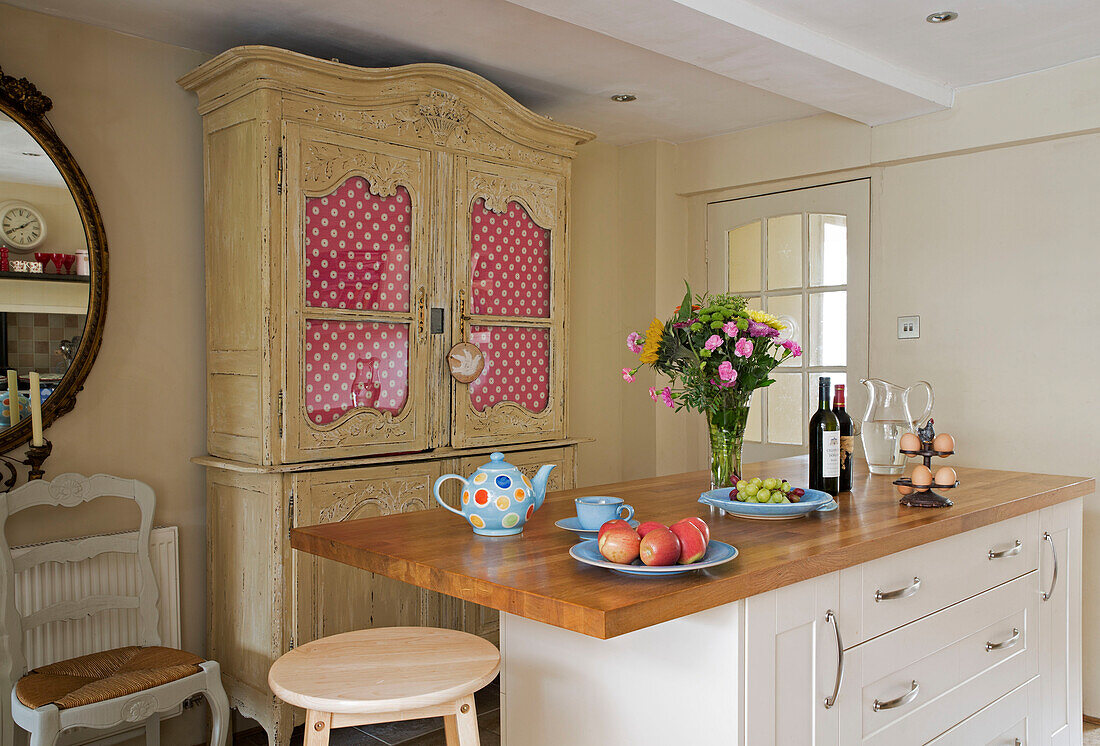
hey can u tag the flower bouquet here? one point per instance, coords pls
(715, 353)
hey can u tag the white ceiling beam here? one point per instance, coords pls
(741, 41)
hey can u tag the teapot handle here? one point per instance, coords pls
(440, 500)
(923, 419)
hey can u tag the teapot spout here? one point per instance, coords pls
(539, 483)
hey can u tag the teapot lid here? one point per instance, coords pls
(496, 463)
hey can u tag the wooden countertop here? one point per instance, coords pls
(533, 576)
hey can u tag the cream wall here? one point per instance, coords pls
(137, 138)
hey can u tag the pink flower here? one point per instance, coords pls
(628, 375)
(743, 348)
(758, 330)
(793, 346)
(653, 393)
(666, 396)
(726, 371)
(713, 343)
(632, 343)
(730, 328)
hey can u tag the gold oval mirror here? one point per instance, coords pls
(53, 265)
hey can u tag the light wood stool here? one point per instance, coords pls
(385, 675)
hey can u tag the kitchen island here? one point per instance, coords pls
(957, 625)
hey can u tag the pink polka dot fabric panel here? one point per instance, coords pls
(355, 364)
(509, 263)
(358, 249)
(517, 367)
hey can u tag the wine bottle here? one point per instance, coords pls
(824, 443)
(847, 441)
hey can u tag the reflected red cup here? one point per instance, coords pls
(67, 261)
(43, 259)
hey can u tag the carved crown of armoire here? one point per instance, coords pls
(360, 222)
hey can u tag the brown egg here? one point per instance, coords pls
(921, 476)
(909, 442)
(943, 443)
(903, 490)
(945, 477)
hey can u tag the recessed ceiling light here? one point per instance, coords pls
(942, 16)
(622, 98)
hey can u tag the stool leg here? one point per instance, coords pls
(461, 728)
(317, 728)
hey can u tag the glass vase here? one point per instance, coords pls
(727, 434)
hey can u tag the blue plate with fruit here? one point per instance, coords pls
(761, 500)
(717, 553)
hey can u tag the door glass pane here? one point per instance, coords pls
(509, 263)
(789, 307)
(517, 367)
(785, 251)
(828, 343)
(744, 258)
(357, 249)
(755, 304)
(835, 377)
(785, 417)
(355, 364)
(828, 250)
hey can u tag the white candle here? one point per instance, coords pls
(36, 411)
(13, 396)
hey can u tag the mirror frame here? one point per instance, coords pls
(20, 100)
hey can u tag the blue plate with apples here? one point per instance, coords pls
(812, 501)
(718, 552)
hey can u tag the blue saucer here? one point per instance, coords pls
(573, 523)
(813, 501)
(717, 553)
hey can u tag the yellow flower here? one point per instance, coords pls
(652, 345)
(766, 318)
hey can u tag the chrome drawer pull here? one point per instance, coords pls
(830, 617)
(1054, 553)
(991, 646)
(1016, 549)
(905, 592)
(904, 699)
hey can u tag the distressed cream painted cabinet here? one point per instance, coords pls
(359, 223)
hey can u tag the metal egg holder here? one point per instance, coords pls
(924, 497)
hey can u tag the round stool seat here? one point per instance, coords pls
(384, 670)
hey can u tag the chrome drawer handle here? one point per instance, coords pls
(1053, 578)
(830, 618)
(905, 592)
(1016, 549)
(904, 699)
(991, 646)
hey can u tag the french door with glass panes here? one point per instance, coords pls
(802, 255)
(356, 284)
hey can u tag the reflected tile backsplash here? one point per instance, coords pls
(33, 340)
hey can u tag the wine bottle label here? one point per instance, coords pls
(847, 443)
(830, 454)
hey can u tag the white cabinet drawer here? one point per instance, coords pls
(1013, 720)
(918, 681)
(892, 591)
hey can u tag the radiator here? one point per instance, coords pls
(112, 574)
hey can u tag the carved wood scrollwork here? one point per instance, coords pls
(362, 423)
(389, 496)
(539, 199)
(506, 418)
(325, 163)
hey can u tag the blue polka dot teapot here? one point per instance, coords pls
(498, 499)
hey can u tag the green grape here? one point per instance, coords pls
(777, 497)
(741, 496)
(771, 483)
(757, 481)
(786, 486)
(751, 499)
(750, 489)
(741, 485)
(786, 499)
(764, 495)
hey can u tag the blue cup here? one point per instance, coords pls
(593, 512)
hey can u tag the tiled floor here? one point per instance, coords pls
(408, 733)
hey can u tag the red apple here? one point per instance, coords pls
(616, 523)
(693, 545)
(619, 545)
(660, 547)
(700, 524)
(648, 526)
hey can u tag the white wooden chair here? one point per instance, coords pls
(106, 689)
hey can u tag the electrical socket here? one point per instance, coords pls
(908, 327)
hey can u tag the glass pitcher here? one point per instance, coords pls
(887, 418)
